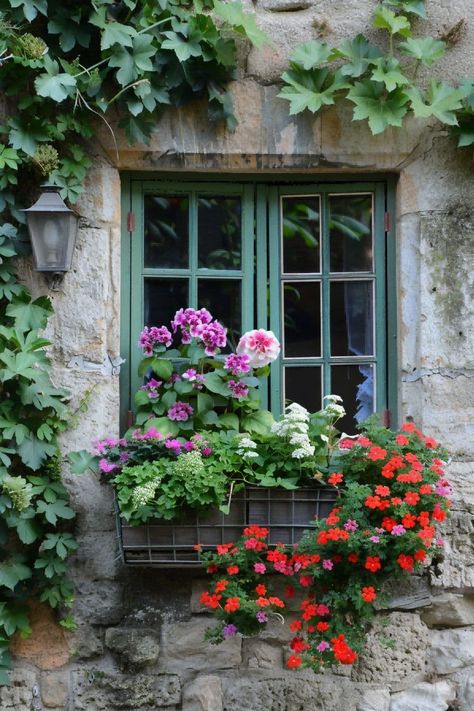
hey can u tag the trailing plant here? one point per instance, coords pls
(203, 433)
(391, 494)
(381, 80)
(65, 65)
(35, 540)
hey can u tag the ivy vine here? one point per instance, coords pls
(382, 83)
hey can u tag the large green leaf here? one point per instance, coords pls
(31, 7)
(81, 461)
(133, 62)
(425, 49)
(395, 24)
(14, 617)
(415, 7)
(163, 425)
(33, 452)
(259, 422)
(12, 573)
(28, 530)
(53, 84)
(360, 53)
(53, 511)
(311, 54)
(380, 108)
(311, 90)
(441, 100)
(30, 314)
(18, 365)
(388, 71)
(242, 22)
(183, 47)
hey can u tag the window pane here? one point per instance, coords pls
(163, 297)
(303, 385)
(350, 230)
(300, 216)
(219, 232)
(222, 297)
(166, 231)
(302, 318)
(355, 384)
(352, 320)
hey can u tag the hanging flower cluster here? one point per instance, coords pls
(391, 494)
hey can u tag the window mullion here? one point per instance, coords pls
(193, 249)
(325, 295)
(274, 248)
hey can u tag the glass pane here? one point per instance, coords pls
(222, 297)
(220, 232)
(303, 385)
(163, 297)
(350, 231)
(166, 231)
(302, 318)
(300, 227)
(352, 320)
(355, 384)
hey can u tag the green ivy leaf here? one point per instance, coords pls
(13, 618)
(53, 511)
(229, 420)
(382, 109)
(183, 47)
(310, 90)
(441, 100)
(12, 573)
(415, 7)
(54, 84)
(9, 158)
(360, 53)
(311, 54)
(31, 7)
(28, 530)
(133, 63)
(259, 422)
(240, 21)
(425, 49)
(26, 132)
(385, 19)
(388, 71)
(29, 314)
(464, 132)
(33, 452)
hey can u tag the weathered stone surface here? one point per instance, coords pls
(47, 645)
(98, 602)
(257, 654)
(409, 594)
(135, 648)
(55, 689)
(184, 647)
(85, 643)
(198, 586)
(451, 650)
(395, 652)
(301, 691)
(424, 697)
(374, 700)
(203, 694)
(284, 5)
(107, 692)
(98, 556)
(464, 681)
(449, 610)
(456, 569)
(18, 696)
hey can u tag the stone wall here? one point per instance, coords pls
(139, 639)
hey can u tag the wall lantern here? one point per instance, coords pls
(53, 228)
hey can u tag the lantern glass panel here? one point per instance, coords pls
(52, 237)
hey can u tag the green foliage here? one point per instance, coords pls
(136, 57)
(382, 85)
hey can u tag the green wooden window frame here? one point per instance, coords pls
(261, 271)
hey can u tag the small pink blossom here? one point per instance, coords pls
(180, 411)
(322, 646)
(260, 346)
(328, 564)
(106, 466)
(238, 389)
(237, 364)
(351, 525)
(259, 568)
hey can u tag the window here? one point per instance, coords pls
(307, 260)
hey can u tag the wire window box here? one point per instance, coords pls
(167, 544)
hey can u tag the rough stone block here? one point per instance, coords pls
(47, 645)
(98, 556)
(374, 700)
(424, 697)
(135, 648)
(107, 692)
(410, 594)
(18, 696)
(203, 694)
(184, 648)
(99, 602)
(257, 654)
(85, 643)
(456, 569)
(395, 652)
(54, 689)
(449, 610)
(199, 585)
(464, 681)
(451, 650)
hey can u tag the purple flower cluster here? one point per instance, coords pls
(180, 411)
(238, 388)
(229, 630)
(152, 433)
(237, 364)
(149, 337)
(261, 616)
(192, 376)
(199, 324)
(152, 387)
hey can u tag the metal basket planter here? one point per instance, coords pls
(285, 513)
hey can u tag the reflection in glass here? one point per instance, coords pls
(350, 232)
(166, 231)
(220, 232)
(352, 328)
(300, 224)
(355, 384)
(302, 318)
(303, 385)
(162, 298)
(222, 297)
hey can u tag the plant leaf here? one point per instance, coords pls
(12, 573)
(415, 7)
(385, 19)
(388, 71)
(373, 103)
(425, 49)
(441, 100)
(242, 22)
(310, 90)
(311, 54)
(360, 53)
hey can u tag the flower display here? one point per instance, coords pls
(260, 346)
(392, 492)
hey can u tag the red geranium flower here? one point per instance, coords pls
(372, 563)
(293, 661)
(233, 569)
(368, 594)
(232, 604)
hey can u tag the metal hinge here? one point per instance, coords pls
(387, 222)
(386, 418)
(130, 221)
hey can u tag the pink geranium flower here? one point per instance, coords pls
(260, 346)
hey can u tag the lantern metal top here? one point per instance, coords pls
(49, 201)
